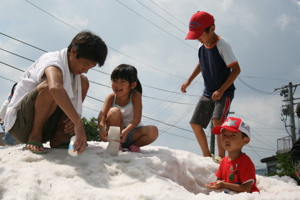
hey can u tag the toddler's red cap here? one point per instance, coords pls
(233, 124)
(199, 21)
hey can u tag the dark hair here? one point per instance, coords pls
(89, 46)
(244, 135)
(206, 30)
(13, 89)
(129, 73)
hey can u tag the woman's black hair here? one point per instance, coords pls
(128, 73)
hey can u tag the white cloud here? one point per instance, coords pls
(283, 21)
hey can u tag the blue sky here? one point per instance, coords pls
(149, 34)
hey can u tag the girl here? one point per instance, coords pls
(123, 108)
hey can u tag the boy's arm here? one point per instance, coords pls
(217, 95)
(60, 96)
(102, 116)
(232, 186)
(194, 74)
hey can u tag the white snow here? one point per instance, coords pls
(156, 173)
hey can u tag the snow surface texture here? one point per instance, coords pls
(156, 173)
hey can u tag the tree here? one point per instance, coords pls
(91, 129)
(286, 167)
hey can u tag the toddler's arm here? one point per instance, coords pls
(220, 184)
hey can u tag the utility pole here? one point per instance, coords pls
(292, 118)
(213, 137)
(288, 109)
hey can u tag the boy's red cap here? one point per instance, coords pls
(199, 21)
(233, 124)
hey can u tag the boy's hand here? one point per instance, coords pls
(217, 95)
(184, 86)
(81, 140)
(215, 185)
(69, 127)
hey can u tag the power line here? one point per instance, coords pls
(7, 79)
(156, 25)
(161, 17)
(144, 85)
(273, 79)
(17, 55)
(254, 89)
(108, 87)
(169, 13)
(22, 42)
(52, 16)
(108, 45)
(11, 66)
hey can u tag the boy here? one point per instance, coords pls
(219, 69)
(47, 103)
(236, 172)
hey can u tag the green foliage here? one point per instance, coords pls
(91, 129)
(286, 167)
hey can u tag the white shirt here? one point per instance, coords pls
(33, 76)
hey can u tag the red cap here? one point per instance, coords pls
(199, 21)
(233, 124)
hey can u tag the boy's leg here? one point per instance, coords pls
(201, 138)
(220, 114)
(35, 109)
(200, 119)
(59, 136)
(144, 135)
(44, 106)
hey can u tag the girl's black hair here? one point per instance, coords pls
(128, 73)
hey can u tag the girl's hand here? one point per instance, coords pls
(103, 135)
(123, 136)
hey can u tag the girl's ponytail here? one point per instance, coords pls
(138, 86)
